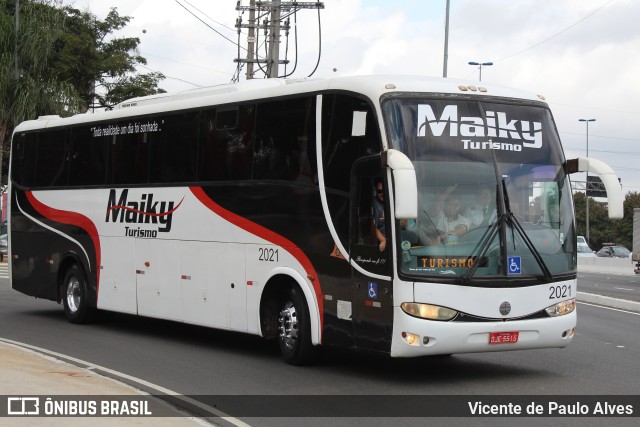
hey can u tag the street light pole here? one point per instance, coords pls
(446, 42)
(480, 65)
(586, 121)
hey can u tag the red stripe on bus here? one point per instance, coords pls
(71, 218)
(268, 235)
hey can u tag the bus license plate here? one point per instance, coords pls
(503, 337)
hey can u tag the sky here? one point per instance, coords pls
(583, 56)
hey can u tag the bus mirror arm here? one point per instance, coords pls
(608, 177)
(404, 183)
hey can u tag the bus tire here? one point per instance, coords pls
(294, 329)
(75, 296)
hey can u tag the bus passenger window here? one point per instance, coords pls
(88, 158)
(173, 150)
(23, 166)
(51, 161)
(283, 131)
(129, 159)
(211, 156)
(237, 144)
(226, 144)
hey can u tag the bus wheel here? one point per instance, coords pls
(74, 296)
(294, 329)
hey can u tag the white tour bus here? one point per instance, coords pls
(343, 212)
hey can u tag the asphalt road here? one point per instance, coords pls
(623, 286)
(603, 360)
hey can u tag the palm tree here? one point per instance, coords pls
(32, 90)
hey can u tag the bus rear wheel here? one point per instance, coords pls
(294, 329)
(75, 296)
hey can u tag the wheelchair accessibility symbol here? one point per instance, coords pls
(372, 290)
(513, 262)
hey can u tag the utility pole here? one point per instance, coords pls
(273, 60)
(586, 193)
(251, 39)
(268, 16)
(446, 42)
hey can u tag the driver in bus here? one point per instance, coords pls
(378, 216)
(444, 214)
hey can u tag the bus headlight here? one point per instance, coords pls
(562, 308)
(428, 311)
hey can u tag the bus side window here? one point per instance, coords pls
(283, 131)
(235, 143)
(129, 159)
(51, 160)
(88, 158)
(173, 151)
(211, 156)
(23, 166)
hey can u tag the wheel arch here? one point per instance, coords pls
(279, 281)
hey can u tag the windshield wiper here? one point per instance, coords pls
(505, 218)
(511, 219)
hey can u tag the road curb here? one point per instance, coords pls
(609, 302)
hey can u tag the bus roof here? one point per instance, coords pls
(370, 86)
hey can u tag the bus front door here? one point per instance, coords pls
(371, 264)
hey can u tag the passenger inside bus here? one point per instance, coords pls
(442, 221)
(482, 213)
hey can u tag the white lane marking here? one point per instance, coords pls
(115, 373)
(609, 308)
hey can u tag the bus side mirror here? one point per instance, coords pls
(608, 177)
(405, 187)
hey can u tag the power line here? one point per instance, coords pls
(169, 77)
(602, 136)
(276, 19)
(319, 45)
(558, 33)
(185, 63)
(210, 18)
(209, 26)
(582, 107)
(625, 153)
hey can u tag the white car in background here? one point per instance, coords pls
(583, 248)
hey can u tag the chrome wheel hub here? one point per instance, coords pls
(288, 326)
(73, 294)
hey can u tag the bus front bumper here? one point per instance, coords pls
(413, 337)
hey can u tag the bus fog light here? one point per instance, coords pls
(428, 311)
(410, 338)
(562, 308)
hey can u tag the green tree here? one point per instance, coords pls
(64, 58)
(601, 228)
(33, 91)
(102, 67)
(599, 222)
(622, 229)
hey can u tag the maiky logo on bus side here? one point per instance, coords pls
(496, 125)
(145, 211)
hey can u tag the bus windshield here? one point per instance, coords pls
(494, 202)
